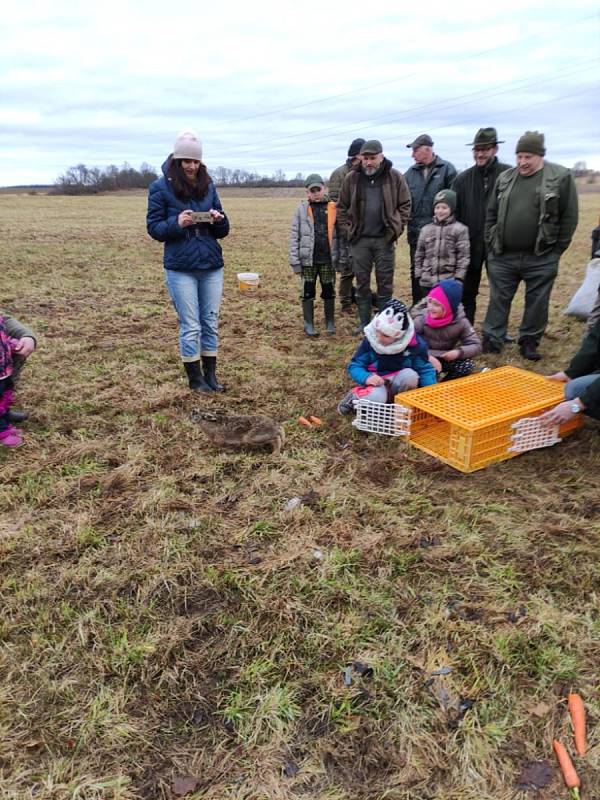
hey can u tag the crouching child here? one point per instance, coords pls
(451, 340)
(390, 359)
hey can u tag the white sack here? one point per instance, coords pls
(585, 297)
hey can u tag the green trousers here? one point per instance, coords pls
(505, 273)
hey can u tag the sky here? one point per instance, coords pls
(272, 85)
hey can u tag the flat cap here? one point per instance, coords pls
(371, 146)
(423, 139)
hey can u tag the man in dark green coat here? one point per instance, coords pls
(473, 188)
(531, 218)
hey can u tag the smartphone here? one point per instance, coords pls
(202, 216)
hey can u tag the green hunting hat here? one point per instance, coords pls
(446, 196)
(485, 137)
(372, 146)
(531, 142)
(314, 180)
(423, 139)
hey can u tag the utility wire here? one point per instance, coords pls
(443, 105)
(500, 114)
(477, 55)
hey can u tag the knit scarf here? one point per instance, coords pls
(438, 294)
(400, 344)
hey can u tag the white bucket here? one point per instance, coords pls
(248, 282)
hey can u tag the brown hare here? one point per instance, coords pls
(240, 430)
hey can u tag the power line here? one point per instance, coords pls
(497, 114)
(476, 55)
(443, 105)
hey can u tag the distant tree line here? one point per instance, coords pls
(222, 176)
(91, 180)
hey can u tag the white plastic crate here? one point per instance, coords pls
(530, 434)
(388, 419)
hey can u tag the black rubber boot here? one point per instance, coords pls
(308, 313)
(196, 380)
(364, 314)
(329, 304)
(209, 364)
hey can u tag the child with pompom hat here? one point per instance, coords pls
(390, 359)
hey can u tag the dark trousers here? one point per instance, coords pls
(505, 273)
(473, 278)
(346, 275)
(369, 251)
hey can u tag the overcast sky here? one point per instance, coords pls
(287, 85)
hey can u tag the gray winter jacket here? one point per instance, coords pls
(442, 252)
(302, 236)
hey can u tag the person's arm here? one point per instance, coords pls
(425, 370)
(587, 358)
(491, 218)
(568, 209)
(220, 227)
(463, 253)
(159, 224)
(564, 412)
(470, 343)
(16, 330)
(420, 254)
(403, 200)
(357, 368)
(343, 206)
(450, 175)
(294, 241)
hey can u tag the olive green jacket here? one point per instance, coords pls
(336, 180)
(558, 210)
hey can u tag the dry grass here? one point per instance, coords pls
(164, 617)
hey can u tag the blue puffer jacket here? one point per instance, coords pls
(365, 362)
(440, 176)
(186, 249)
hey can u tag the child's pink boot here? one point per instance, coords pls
(11, 437)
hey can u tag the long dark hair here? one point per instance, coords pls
(183, 189)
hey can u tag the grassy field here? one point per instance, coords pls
(407, 632)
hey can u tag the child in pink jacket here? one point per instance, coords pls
(9, 436)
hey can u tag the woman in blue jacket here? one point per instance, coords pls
(193, 259)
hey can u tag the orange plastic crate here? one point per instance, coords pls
(468, 422)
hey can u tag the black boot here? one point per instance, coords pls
(209, 363)
(308, 313)
(195, 378)
(329, 304)
(364, 314)
(528, 347)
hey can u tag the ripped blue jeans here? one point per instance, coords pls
(197, 300)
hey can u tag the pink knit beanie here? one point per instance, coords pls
(188, 146)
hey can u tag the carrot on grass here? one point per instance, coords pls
(316, 421)
(570, 777)
(304, 421)
(577, 712)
